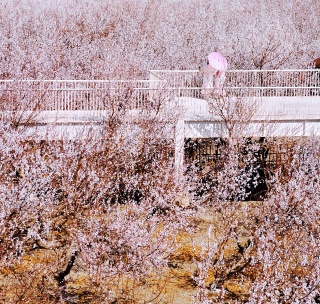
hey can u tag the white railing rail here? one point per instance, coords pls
(178, 78)
(163, 85)
(258, 82)
(71, 95)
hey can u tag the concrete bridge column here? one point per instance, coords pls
(179, 149)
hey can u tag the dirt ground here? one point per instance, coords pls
(175, 284)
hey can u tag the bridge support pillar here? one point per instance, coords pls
(179, 149)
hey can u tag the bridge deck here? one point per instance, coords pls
(287, 98)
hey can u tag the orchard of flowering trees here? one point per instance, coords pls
(98, 219)
(105, 207)
(103, 39)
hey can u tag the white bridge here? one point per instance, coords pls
(265, 102)
(272, 102)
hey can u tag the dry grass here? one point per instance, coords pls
(174, 284)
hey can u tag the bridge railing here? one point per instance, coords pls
(163, 85)
(73, 95)
(249, 82)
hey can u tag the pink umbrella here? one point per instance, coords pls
(218, 61)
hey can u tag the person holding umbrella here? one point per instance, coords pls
(214, 72)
